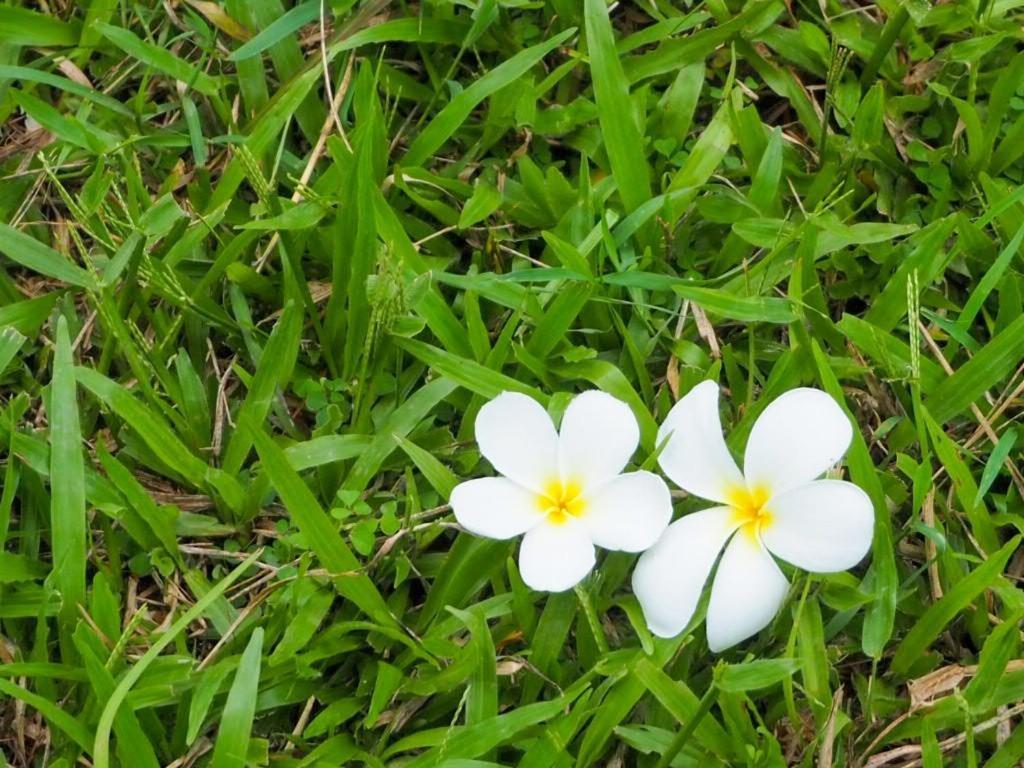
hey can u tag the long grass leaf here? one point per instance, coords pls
(320, 533)
(616, 112)
(231, 749)
(67, 483)
(448, 120)
(940, 613)
(29, 252)
(101, 742)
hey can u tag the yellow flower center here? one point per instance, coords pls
(749, 510)
(561, 500)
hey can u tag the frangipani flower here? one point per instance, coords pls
(774, 507)
(564, 491)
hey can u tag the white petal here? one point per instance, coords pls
(747, 592)
(797, 437)
(696, 458)
(495, 507)
(555, 557)
(598, 436)
(518, 437)
(670, 576)
(629, 512)
(824, 526)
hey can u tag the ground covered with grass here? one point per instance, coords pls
(262, 265)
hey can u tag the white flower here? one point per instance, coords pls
(564, 491)
(774, 507)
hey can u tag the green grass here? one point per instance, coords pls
(242, 347)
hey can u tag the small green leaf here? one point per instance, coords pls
(482, 203)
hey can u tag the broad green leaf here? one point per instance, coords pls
(133, 745)
(616, 705)
(27, 316)
(673, 53)
(1001, 646)
(411, 30)
(302, 627)
(203, 693)
(326, 450)
(471, 741)
(70, 129)
(482, 203)
(989, 280)
(715, 300)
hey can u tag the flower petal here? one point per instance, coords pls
(598, 436)
(824, 526)
(555, 557)
(696, 458)
(747, 592)
(495, 507)
(517, 436)
(798, 436)
(629, 512)
(670, 576)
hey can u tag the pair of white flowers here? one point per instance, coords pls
(565, 491)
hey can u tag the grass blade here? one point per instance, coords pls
(30, 253)
(21, 26)
(321, 534)
(448, 120)
(283, 26)
(67, 480)
(159, 59)
(232, 747)
(996, 361)
(274, 371)
(622, 138)
(101, 743)
(941, 612)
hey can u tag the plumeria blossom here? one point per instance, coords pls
(565, 491)
(775, 506)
